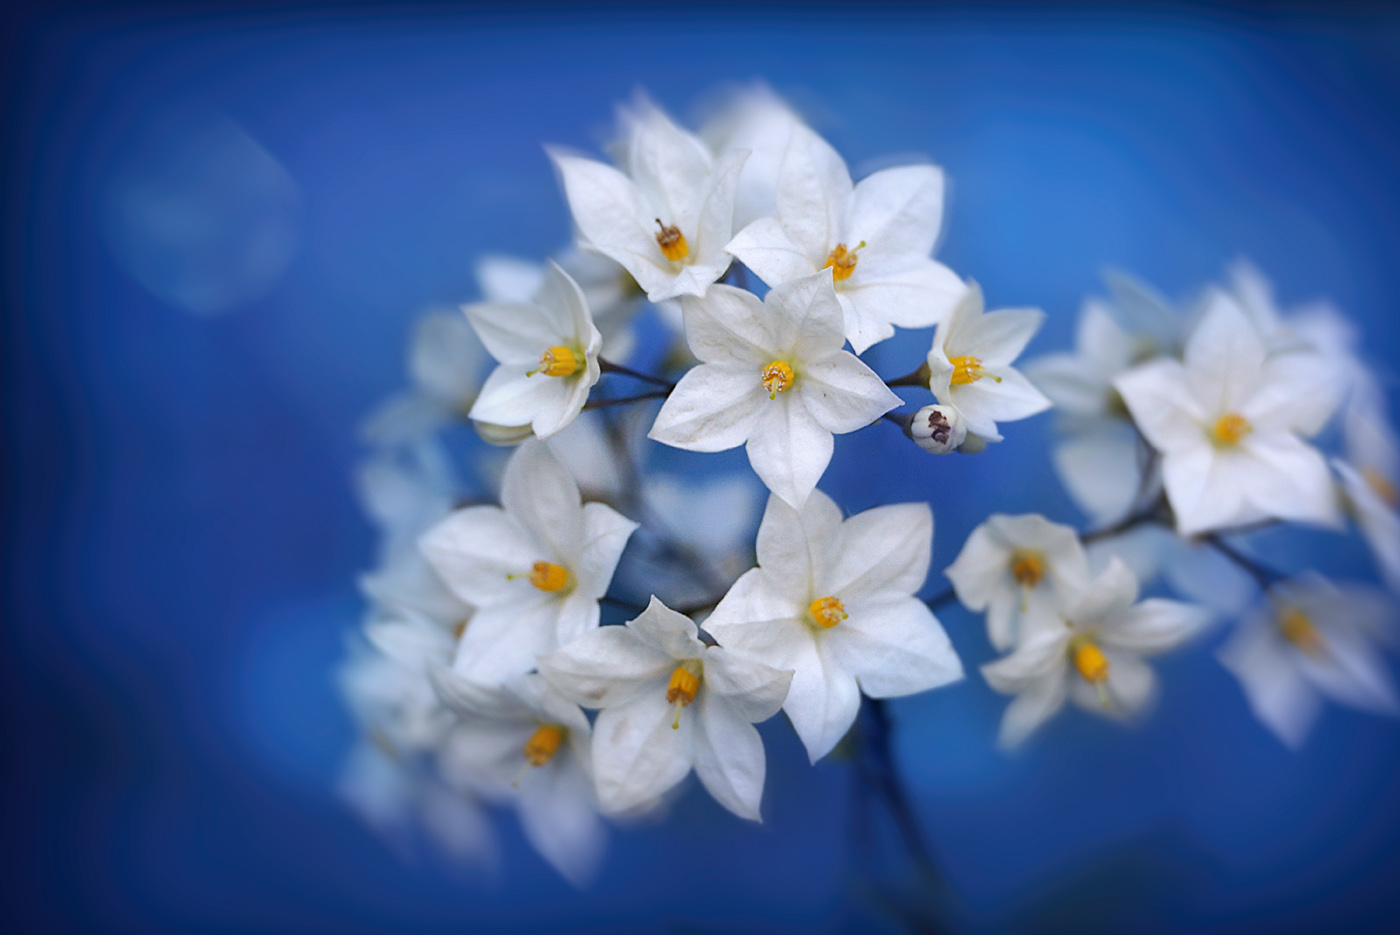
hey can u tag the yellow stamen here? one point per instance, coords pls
(842, 262)
(1091, 662)
(1027, 567)
(543, 744)
(672, 242)
(458, 629)
(558, 361)
(1382, 485)
(1299, 630)
(968, 369)
(681, 690)
(546, 576)
(776, 377)
(1230, 428)
(827, 611)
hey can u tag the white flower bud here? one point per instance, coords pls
(937, 429)
(504, 435)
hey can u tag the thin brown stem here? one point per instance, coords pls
(607, 403)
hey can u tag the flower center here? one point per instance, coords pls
(558, 361)
(968, 369)
(680, 691)
(543, 744)
(776, 377)
(1091, 662)
(842, 262)
(672, 242)
(827, 611)
(548, 576)
(1230, 428)
(1027, 567)
(1382, 486)
(1299, 630)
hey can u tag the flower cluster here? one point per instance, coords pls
(487, 672)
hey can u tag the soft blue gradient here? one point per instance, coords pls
(182, 541)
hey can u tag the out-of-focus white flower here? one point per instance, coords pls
(1196, 571)
(970, 365)
(446, 363)
(669, 702)
(548, 354)
(938, 430)
(875, 237)
(1370, 476)
(1095, 658)
(774, 376)
(612, 294)
(1023, 571)
(1227, 422)
(534, 570)
(1311, 639)
(667, 218)
(523, 743)
(757, 121)
(834, 601)
(386, 687)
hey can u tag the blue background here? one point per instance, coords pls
(181, 539)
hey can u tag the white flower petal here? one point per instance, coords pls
(795, 547)
(606, 667)
(1290, 479)
(1158, 394)
(729, 325)
(814, 193)
(516, 332)
(842, 394)
(883, 549)
(1276, 691)
(729, 756)
(754, 691)
(637, 755)
(1130, 687)
(559, 815)
(605, 535)
(503, 641)
(667, 632)
(898, 210)
(540, 494)
(1154, 626)
(1224, 354)
(765, 249)
(714, 407)
(822, 701)
(998, 338)
(1036, 704)
(511, 397)
(1030, 664)
(789, 450)
(893, 647)
(474, 550)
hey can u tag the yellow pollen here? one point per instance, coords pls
(842, 262)
(1027, 567)
(672, 242)
(548, 576)
(1091, 663)
(680, 691)
(1382, 486)
(776, 377)
(543, 743)
(558, 361)
(827, 611)
(968, 369)
(1299, 630)
(1230, 428)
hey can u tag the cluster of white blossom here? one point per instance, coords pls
(483, 674)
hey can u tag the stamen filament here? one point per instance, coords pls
(968, 369)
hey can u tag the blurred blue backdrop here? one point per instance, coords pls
(219, 225)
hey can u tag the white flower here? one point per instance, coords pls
(1095, 658)
(387, 688)
(1313, 638)
(524, 743)
(445, 362)
(534, 570)
(938, 430)
(548, 354)
(1370, 476)
(1227, 422)
(667, 219)
(970, 364)
(834, 601)
(612, 294)
(773, 375)
(669, 702)
(1021, 570)
(875, 237)
(755, 120)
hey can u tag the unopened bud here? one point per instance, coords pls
(937, 429)
(503, 435)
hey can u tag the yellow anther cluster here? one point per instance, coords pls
(548, 576)
(968, 369)
(1027, 567)
(682, 687)
(1230, 428)
(1091, 662)
(558, 361)
(842, 262)
(672, 242)
(827, 611)
(543, 744)
(1381, 485)
(1299, 630)
(776, 377)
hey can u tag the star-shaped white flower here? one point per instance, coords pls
(834, 601)
(1021, 570)
(970, 364)
(1095, 658)
(773, 374)
(669, 702)
(667, 217)
(876, 237)
(548, 354)
(534, 570)
(1227, 422)
(1313, 639)
(523, 743)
